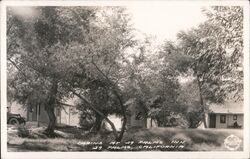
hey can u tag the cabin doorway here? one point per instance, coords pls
(212, 121)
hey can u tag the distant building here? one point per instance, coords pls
(116, 120)
(36, 113)
(228, 115)
(136, 114)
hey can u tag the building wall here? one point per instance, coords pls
(62, 116)
(32, 113)
(229, 120)
(218, 124)
(71, 118)
(136, 114)
(154, 123)
(239, 119)
(133, 120)
(117, 121)
(137, 123)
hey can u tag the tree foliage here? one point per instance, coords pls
(91, 53)
(66, 42)
(211, 54)
(216, 48)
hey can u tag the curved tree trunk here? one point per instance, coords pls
(98, 112)
(119, 97)
(124, 123)
(98, 123)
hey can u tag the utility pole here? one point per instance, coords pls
(37, 114)
(69, 115)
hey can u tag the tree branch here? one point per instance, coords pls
(17, 67)
(97, 111)
(118, 97)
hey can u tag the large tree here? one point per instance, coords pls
(31, 43)
(70, 51)
(153, 81)
(102, 62)
(215, 54)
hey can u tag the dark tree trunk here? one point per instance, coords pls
(202, 103)
(99, 120)
(164, 119)
(98, 123)
(52, 122)
(159, 122)
(124, 123)
(191, 123)
(49, 107)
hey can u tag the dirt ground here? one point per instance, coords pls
(154, 139)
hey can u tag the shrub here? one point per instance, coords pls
(23, 132)
(194, 118)
(86, 121)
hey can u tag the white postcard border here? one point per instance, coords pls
(57, 155)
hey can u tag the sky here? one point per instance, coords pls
(157, 19)
(165, 21)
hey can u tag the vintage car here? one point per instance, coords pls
(14, 119)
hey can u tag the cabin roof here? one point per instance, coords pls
(227, 108)
(132, 103)
(129, 102)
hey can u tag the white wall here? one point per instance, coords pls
(239, 119)
(116, 121)
(229, 120)
(154, 124)
(72, 120)
(218, 124)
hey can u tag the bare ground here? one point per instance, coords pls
(75, 139)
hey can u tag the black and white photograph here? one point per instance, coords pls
(134, 77)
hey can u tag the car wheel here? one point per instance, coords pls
(13, 121)
(22, 123)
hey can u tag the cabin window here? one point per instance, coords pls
(222, 118)
(39, 109)
(58, 112)
(138, 116)
(235, 117)
(31, 109)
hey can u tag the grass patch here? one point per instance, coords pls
(74, 139)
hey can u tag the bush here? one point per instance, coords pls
(23, 132)
(86, 122)
(194, 118)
